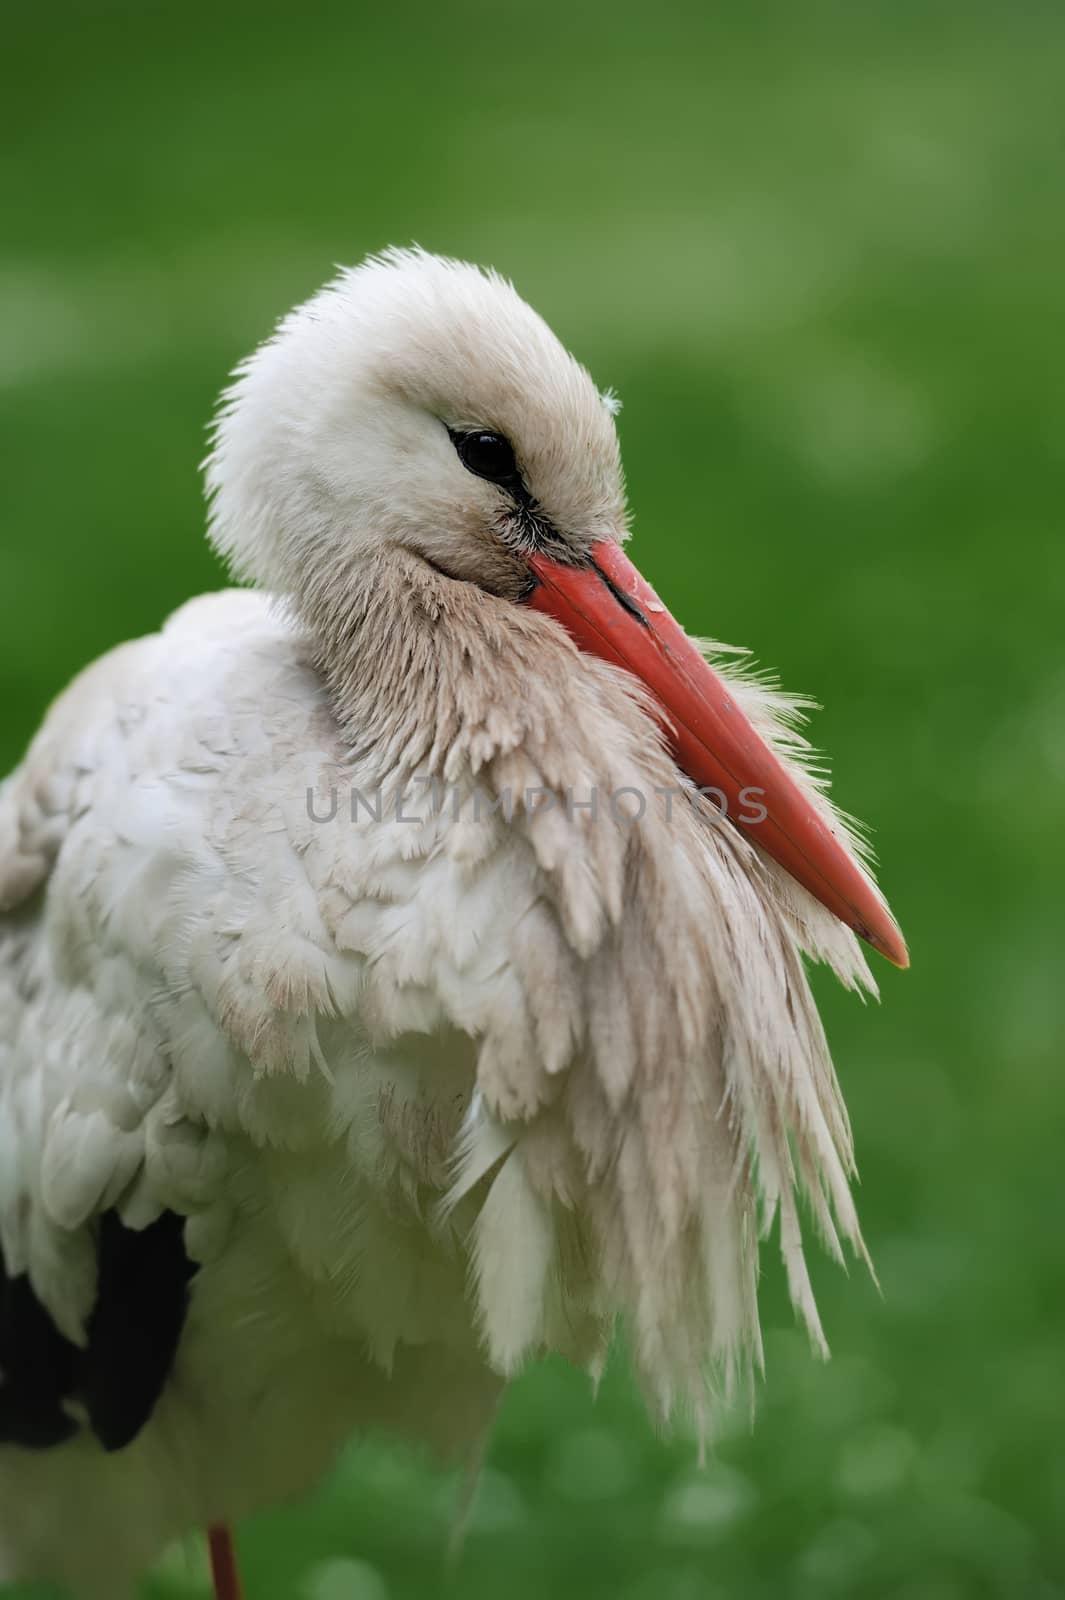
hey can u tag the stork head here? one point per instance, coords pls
(419, 404)
(416, 402)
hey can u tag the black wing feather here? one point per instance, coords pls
(141, 1304)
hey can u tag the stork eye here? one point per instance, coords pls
(489, 455)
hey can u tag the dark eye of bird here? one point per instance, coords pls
(489, 455)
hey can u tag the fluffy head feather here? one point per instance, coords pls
(333, 439)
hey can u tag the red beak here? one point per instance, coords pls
(612, 612)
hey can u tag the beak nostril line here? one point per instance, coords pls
(624, 600)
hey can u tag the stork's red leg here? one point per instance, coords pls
(225, 1573)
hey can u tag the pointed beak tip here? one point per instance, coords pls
(890, 944)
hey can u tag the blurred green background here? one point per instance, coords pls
(820, 252)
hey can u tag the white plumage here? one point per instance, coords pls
(436, 1090)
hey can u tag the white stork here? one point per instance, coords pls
(400, 960)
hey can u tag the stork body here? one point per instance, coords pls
(380, 1004)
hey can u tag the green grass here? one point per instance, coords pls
(819, 249)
